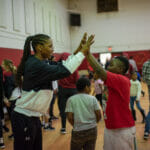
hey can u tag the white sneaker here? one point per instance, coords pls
(63, 131)
(146, 135)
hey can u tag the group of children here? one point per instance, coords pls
(120, 128)
(34, 77)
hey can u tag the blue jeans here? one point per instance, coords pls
(149, 91)
(132, 100)
(147, 124)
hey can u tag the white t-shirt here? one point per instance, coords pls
(135, 89)
(83, 106)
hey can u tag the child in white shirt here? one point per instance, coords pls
(135, 93)
(83, 113)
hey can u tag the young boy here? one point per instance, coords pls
(83, 113)
(135, 92)
(119, 133)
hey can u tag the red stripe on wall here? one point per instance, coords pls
(16, 54)
(139, 56)
(12, 54)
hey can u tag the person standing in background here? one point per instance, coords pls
(146, 79)
(135, 93)
(66, 88)
(11, 91)
(1, 107)
(133, 63)
(55, 91)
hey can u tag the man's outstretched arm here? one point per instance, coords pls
(96, 66)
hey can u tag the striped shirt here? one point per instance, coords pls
(146, 72)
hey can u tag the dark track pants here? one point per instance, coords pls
(27, 132)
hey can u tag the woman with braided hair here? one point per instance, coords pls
(34, 76)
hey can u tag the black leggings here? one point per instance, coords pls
(99, 98)
(27, 132)
(1, 131)
(63, 95)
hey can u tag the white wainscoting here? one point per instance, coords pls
(21, 18)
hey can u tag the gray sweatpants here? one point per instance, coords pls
(119, 139)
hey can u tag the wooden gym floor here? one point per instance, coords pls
(53, 140)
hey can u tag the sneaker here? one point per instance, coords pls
(42, 124)
(143, 93)
(63, 131)
(2, 145)
(11, 136)
(5, 128)
(49, 127)
(53, 118)
(146, 135)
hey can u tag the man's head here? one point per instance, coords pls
(119, 65)
(83, 85)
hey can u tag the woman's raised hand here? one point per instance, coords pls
(83, 41)
(86, 46)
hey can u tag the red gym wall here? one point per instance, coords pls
(15, 55)
(139, 56)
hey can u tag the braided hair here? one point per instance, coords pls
(30, 41)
